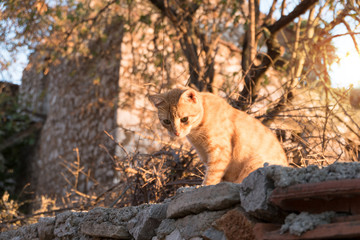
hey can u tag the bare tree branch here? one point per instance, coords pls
(182, 18)
(252, 78)
(285, 20)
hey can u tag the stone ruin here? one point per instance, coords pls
(205, 212)
(216, 212)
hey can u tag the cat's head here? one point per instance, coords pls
(179, 110)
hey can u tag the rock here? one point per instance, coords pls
(67, 224)
(197, 225)
(210, 212)
(297, 224)
(46, 228)
(109, 222)
(255, 191)
(214, 197)
(29, 232)
(213, 234)
(105, 229)
(166, 227)
(285, 176)
(25, 232)
(143, 226)
(175, 235)
(187, 189)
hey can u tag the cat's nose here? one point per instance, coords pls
(177, 133)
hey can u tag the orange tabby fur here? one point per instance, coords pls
(230, 143)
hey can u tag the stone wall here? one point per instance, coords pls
(206, 213)
(78, 96)
(216, 212)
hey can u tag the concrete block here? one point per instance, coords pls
(255, 191)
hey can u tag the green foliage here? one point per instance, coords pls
(12, 158)
(266, 81)
(145, 19)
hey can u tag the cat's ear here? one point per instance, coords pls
(190, 95)
(156, 99)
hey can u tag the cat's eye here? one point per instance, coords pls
(166, 121)
(184, 119)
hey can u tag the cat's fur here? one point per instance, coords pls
(230, 142)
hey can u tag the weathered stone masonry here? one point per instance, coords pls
(212, 212)
(78, 98)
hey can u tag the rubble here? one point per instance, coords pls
(286, 176)
(297, 224)
(143, 226)
(213, 197)
(220, 211)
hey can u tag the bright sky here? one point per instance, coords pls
(342, 74)
(348, 70)
(14, 73)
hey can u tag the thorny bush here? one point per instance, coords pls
(154, 177)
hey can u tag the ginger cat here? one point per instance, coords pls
(230, 142)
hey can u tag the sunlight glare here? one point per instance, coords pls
(347, 71)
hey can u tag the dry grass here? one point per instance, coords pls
(143, 178)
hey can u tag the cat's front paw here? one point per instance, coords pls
(207, 183)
